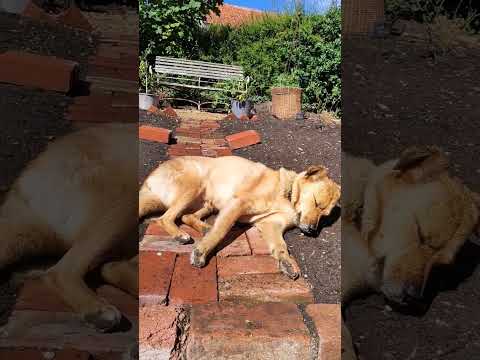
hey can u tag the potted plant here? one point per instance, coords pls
(240, 105)
(146, 99)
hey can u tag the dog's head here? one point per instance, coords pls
(423, 223)
(314, 195)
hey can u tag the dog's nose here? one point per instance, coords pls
(308, 229)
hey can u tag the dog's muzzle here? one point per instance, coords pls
(308, 229)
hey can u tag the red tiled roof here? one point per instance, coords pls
(234, 15)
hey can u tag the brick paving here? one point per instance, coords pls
(41, 326)
(239, 305)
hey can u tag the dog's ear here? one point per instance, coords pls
(316, 172)
(416, 156)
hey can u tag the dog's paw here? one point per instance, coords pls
(104, 319)
(184, 239)
(197, 258)
(289, 268)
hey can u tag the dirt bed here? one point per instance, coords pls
(396, 95)
(296, 145)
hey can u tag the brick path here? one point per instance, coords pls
(41, 326)
(239, 305)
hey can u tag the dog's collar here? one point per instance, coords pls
(287, 178)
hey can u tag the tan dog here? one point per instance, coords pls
(243, 191)
(78, 200)
(414, 216)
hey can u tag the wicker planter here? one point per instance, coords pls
(361, 16)
(286, 102)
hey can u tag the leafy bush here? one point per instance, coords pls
(303, 47)
(427, 11)
(170, 27)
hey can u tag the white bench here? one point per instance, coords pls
(196, 74)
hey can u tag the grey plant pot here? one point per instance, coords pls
(241, 108)
(145, 101)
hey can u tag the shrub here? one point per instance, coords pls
(170, 27)
(303, 47)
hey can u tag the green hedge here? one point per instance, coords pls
(305, 47)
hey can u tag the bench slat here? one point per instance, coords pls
(189, 67)
(197, 73)
(162, 59)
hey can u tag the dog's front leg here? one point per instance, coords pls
(223, 223)
(272, 232)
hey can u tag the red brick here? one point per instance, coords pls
(193, 152)
(230, 117)
(220, 142)
(170, 112)
(157, 331)
(244, 118)
(208, 152)
(161, 244)
(124, 302)
(34, 354)
(155, 276)
(74, 18)
(234, 244)
(243, 139)
(40, 329)
(188, 140)
(191, 285)
(177, 152)
(185, 146)
(261, 332)
(154, 229)
(258, 245)
(208, 141)
(264, 288)
(224, 152)
(327, 319)
(154, 134)
(35, 12)
(192, 232)
(153, 109)
(35, 295)
(254, 118)
(101, 113)
(246, 265)
(38, 71)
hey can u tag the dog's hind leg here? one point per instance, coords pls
(195, 220)
(167, 220)
(122, 274)
(148, 202)
(223, 224)
(22, 239)
(91, 244)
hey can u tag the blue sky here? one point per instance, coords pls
(280, 5)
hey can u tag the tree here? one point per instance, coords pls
(169, 27)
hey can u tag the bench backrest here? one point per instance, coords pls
(197, 69)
